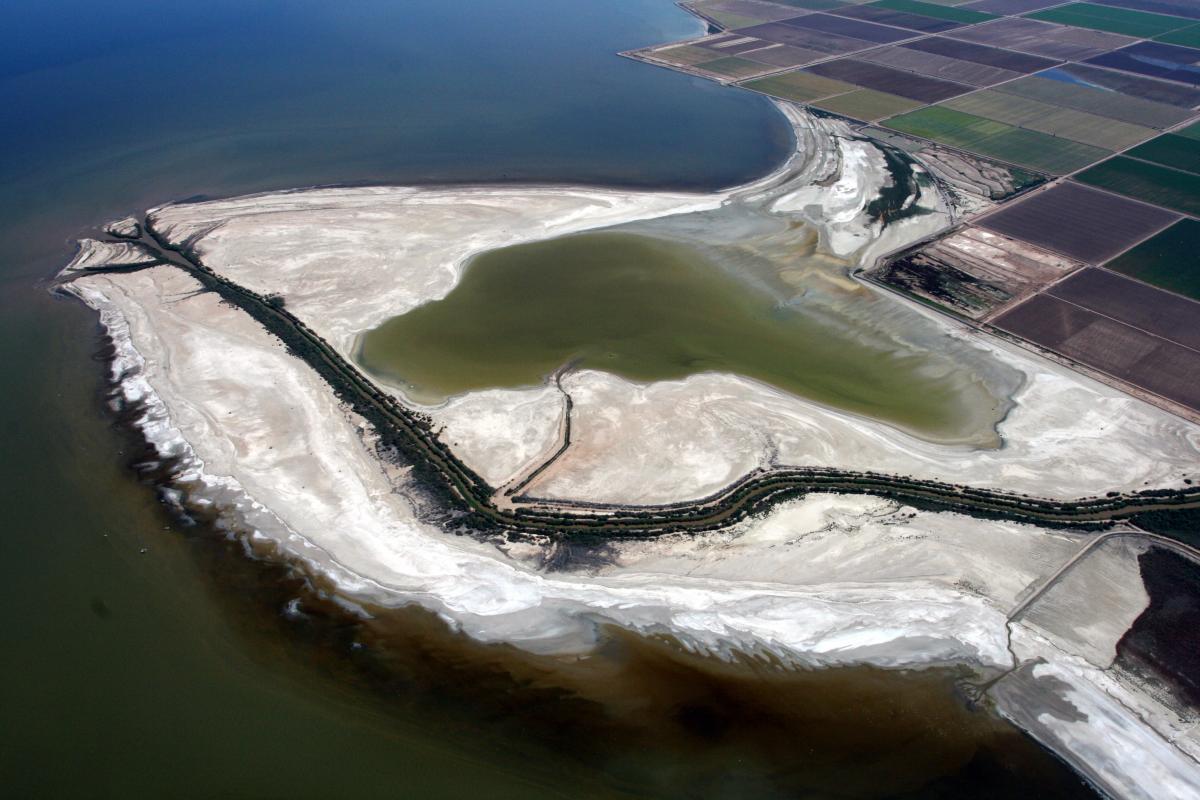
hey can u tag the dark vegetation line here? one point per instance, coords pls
(469, 496)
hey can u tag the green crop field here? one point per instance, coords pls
(947, 126)
(999, 140)
(1040, 151)
(1188, 37)
(1180, 152)
(1191, 131)
(1167, 259)
(802, 87)
(1162, 186)
(867, 104)
(935, 10)
(1114, 20)
(1025, 112)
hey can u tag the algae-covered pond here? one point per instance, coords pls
(648, 309)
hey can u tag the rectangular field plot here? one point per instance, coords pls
(1178, 8)
(889, 80)
(683, 55)
(1132, 85)
(981, 54)
(899, 19)
(1043, 38)
(1161, 367)
(803, 87)
(732, 44)
(813, 5)
(825, 43)
(734, 67)
(1112, 20)
(1187, 37)
(1035, 115)
(867, 104)
(1155, 60)
(1162, 186)
(752, 10)
(853, 28)
(996, 139)
(937, 11)
(935, 66)
(782, 55)
(1006, 7)
(1101, 102)
(1135, 304)
(1167, 260)
(1180, 152)
(1082, 223)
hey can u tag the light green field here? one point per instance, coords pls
(803, 87)
(1141, 24)
(1024, 112)
(867, 104)
(1000, 140)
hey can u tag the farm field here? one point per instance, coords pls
(938, 11)
(1112, 20)
(1043, 38)
(938, 66)
(1000, 140)
(1085, 224)
(1155, 60)
(1167, 260)
(889, 80)
(1124, 83)
(1100, 99)
(866, 104)
(1163, 186)
(803, 87)
(899, 19)
(1079, 126)
(1114, 105)
(1162, 367)
(981, 54)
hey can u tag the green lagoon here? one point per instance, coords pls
(649, 309)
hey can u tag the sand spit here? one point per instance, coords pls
(249, 418)
(347, 259)
(826, 580)
(822, 581)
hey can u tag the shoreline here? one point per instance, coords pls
(364, 524)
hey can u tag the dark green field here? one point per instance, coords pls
(1113, 20)
(963, 15)
(1187, 37)
(1167, 260)
(1180, 152)
(1162, 186)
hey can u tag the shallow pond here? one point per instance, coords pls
(649, 309)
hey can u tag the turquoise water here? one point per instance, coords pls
(142, 658)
